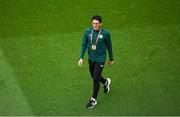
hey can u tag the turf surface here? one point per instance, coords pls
(40, 44)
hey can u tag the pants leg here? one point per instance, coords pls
(102, 80)
(96, 70)
(91, 70)
(91, 67)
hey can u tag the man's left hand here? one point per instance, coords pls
(111, 63)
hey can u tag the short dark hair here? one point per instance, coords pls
(97, 17)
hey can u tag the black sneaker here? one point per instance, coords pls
(92, 102)
(106, 86)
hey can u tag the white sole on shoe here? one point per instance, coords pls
(93, 105)
(109, 82)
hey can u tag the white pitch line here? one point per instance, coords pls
(12, 101)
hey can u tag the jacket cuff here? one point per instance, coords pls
(111, 59)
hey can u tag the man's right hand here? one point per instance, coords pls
(80, 62)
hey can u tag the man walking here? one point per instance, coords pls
(97, 40)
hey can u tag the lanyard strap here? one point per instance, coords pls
(97, 36)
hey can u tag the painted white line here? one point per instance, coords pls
(12, 101)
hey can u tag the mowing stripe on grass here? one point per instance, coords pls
(12, 101)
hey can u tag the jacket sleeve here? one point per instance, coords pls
(84, 45)
(109, 46)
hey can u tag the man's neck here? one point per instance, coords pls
(97, 30)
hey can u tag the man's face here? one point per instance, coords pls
(96, 25)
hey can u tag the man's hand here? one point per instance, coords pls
(111, 63)
(80, 62)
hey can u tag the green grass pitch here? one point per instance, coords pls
(40, 42)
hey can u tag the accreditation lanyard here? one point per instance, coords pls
(97, 36)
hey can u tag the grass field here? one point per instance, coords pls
(39, 48)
